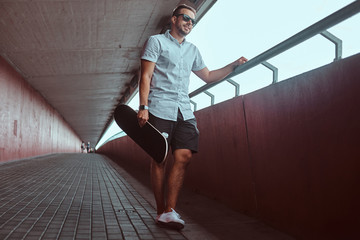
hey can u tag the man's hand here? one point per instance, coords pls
(143, 117)
(240, 61)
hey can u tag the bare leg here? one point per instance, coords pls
(176, 177)
(157, 182)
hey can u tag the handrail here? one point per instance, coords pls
(319, 27)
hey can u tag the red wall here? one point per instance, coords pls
(222, 168)
(304, 143)
(287, 153)
(29, 126)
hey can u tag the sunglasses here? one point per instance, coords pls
(186, 18)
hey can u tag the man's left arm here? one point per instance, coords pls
(216, 75)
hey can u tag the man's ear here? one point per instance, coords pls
(173, 19)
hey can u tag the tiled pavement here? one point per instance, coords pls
(73, 196)
(83, 196)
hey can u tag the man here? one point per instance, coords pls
(166, 63)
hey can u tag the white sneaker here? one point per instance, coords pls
(171, 220)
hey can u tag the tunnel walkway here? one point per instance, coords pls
(87, 196)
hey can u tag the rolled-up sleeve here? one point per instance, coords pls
(151, 50)
(198, 63)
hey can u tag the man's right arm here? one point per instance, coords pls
(147, 70)
(219, 74)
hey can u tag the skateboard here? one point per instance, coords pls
(147, 137)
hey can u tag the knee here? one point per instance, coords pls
(187, 156)
(183, 156)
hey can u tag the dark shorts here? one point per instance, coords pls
(180, 134)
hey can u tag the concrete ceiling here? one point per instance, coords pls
(82, 55)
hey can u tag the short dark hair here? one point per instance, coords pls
(181, 6)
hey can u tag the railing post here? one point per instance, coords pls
(273, 69)
(195, 105)
(337, 41)
(236, 85)
(212, 97)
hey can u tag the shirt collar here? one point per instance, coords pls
(169, 36)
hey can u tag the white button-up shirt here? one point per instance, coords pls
(169, 87)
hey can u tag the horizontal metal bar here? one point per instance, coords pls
(320, 26)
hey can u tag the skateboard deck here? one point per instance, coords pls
(147, 137)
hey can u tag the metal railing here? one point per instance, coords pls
(318, 28)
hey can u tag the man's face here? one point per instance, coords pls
(184, 27)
